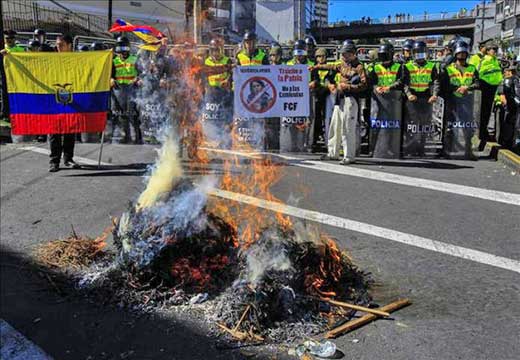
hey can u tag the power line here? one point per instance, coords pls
(167, 7)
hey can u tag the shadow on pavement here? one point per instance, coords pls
(137, 169)
(43, 306)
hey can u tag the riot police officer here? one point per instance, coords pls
(421, 87)
(124, 81)
(41, 36)
(407, 50)
(386, 105)
(462, 79)
(310, 47)
(250, 55)
(217, 105)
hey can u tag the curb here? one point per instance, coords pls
(506, 157)
(15, 346)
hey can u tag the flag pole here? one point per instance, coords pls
(101, 149)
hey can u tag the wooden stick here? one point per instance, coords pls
(240, 335)
(356, 307)
(242, 318)
(236, 334)
(354, 324)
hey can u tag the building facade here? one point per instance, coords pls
(485, 24)
(507, 15)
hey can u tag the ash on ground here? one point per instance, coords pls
(177, 256)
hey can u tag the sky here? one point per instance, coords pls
(376, 9)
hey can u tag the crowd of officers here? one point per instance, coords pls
(344, 84)
(413, 75)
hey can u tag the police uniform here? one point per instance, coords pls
(258, 57)
(217, 109)
(510, 89)
(124, 109)
(459, 109)
(490, 73)
(323, 110)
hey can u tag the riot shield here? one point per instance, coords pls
(293, 134)
(461, 126)
(385, 124)
(217, 117)
(249, 133)
(272, 134)
(418, 127)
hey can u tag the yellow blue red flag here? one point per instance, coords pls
(58, 93)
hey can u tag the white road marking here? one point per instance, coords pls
(480, 193)
(78, 159)
(381, 232)
(15, 346)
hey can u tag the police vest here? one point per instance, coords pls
(245, 60)
(126, 72)
(322, 75)
(458, 79)
(308, 63)
(490, 70)
(475, 59)
(369, 67)
(217, 80)
(420, 76)
(16, 48)
(386, 77)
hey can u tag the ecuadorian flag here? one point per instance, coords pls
(58, 93)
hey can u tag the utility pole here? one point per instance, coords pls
(197, 21)
(109, 13)
(1, 25)
(483, 19)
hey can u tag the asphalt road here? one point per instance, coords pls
(465, 306)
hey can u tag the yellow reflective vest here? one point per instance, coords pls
(420, 76)
(464, 78)
(386, 77)
(16, 48)
(245, 60)
(490, 70)
(126, 72)
(217, 80)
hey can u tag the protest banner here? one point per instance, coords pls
(271, 91)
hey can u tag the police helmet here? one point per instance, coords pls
(385, 52)
(348, 46)
(95, 46)
(420, 50)
(122, 40)
(310, 42)
(452, 44)
(249, 35)
(214, 44)
(461, 46)
(275, 49)
(122, 44)
(10, 33)
(300, 48)
(39, 32)
(34, 44)
(84, 48)
(408, 44)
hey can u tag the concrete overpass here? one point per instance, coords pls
(462, 26)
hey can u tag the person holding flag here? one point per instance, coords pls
(48, 95)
